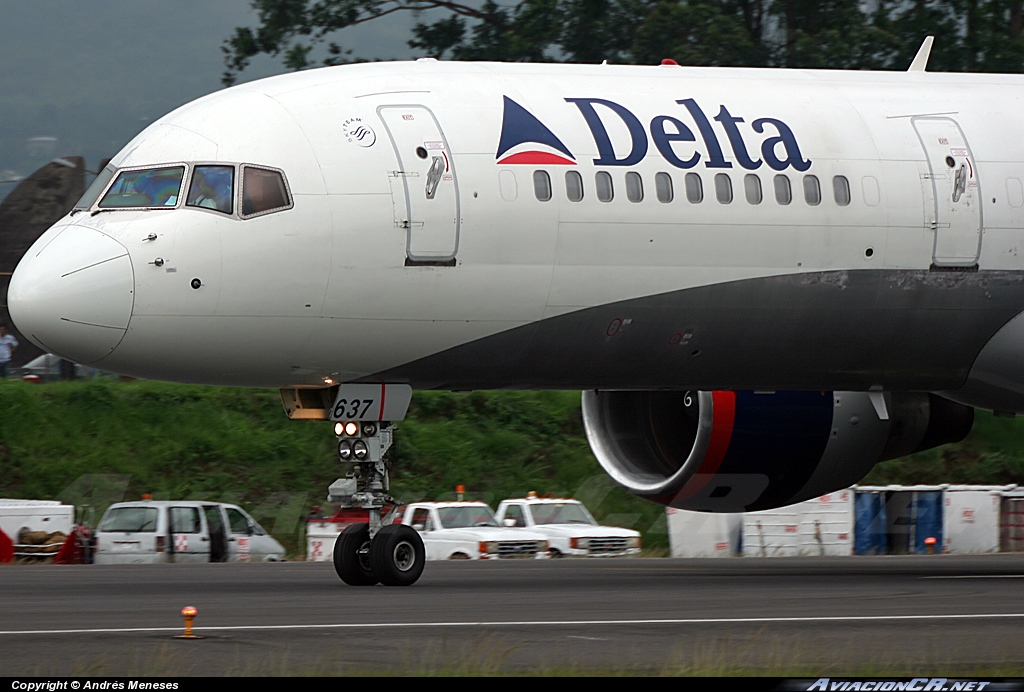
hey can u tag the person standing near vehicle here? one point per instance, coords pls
(7, 345)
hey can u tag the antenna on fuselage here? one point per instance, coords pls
(921, 59)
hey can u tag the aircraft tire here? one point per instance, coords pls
(353, 568)
(397, 555)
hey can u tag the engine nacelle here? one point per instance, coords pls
(725, 451)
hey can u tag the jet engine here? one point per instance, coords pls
(725, 451)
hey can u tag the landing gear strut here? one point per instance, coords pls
(367, 554)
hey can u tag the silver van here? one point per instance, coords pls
(181, 531)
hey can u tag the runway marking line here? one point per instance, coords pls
(532, 623)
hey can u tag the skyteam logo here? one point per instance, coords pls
(521, 133)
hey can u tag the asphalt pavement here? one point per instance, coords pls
(777, 616)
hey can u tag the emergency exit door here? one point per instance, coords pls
(954, 207)
(424, 188)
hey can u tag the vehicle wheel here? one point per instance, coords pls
(397, 555)
(352, 556)
(555, 552)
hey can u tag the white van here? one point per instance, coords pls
(181, 531)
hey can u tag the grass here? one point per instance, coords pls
(96, 442)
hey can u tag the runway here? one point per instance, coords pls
(785, 616)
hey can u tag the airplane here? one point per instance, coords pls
(764, 281)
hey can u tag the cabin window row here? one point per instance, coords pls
(693, 187)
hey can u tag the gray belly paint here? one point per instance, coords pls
(844, 330)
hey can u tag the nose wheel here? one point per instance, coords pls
(393, 557)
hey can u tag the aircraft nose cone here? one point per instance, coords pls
(73, 295)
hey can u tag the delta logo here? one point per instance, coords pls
(526, 140)
(521, 132)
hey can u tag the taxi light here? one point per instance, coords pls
(345, 450)
(360, 450)
(351, 429)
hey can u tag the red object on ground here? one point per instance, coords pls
(70, 553)
(6, 549)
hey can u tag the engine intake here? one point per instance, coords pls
(725, 451)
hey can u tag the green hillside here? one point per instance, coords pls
(96, 442)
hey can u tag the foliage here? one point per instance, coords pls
(96, 442)
(971, 35)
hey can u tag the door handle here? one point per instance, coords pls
(960, 186)
(434, 176)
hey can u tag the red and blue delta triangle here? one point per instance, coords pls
(518, 128)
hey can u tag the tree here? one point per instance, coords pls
(975, 35)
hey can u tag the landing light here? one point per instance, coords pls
(360, 449)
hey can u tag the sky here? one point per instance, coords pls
(93, 73)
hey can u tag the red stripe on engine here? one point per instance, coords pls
(383, 389)
(723, 413)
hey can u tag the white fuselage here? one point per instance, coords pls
(479, 281)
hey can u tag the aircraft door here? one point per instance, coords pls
(955, 210)
(423, 186)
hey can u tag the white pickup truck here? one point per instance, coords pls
(466, 531)
(568, 527)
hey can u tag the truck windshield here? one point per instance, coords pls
(560, 513)
(463, 517)
(130, 519)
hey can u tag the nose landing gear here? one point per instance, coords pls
(370, 553)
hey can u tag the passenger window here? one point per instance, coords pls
(694, 188)
(752, 188)
(723, 188)
(663, 186)
(634, 187)
(783, 190)
(841, 188)
(604, 186)
(211, 188)
(237, 521)
(421, 517)
(507, 184)
(872, 195)
(812, 190)
(574, 186)
(153, 187)
(184, 520)
(1014, 192)
(263, 191)
(515, 512)
(542, 185)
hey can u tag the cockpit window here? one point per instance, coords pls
(211, 188)
(96, 188)
(263, 191)
(151, 187)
